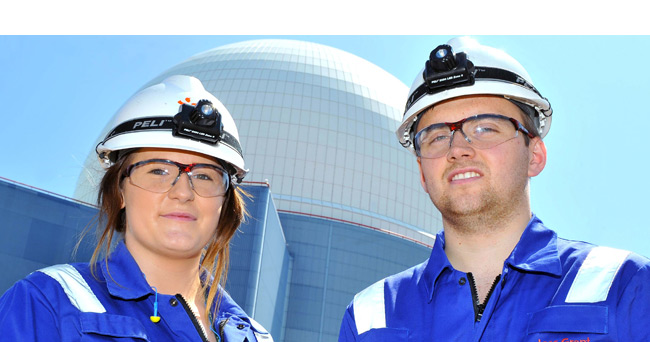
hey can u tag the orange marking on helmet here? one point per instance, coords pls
(187, 99)
(180, 102)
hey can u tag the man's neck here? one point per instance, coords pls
(482, 248)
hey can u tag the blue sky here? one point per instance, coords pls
(58, 92)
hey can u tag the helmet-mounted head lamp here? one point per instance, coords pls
(201, 122)
(445, 70)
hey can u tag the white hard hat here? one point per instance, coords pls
(179, 114)
(465, 67)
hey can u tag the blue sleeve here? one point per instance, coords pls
(26, 314)
(633, 308)
(348, 331)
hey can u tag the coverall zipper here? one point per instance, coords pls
(478, 306)
(222, 326)
(199, 327)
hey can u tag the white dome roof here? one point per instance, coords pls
(317, 123)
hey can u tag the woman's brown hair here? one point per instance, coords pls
(112, 220)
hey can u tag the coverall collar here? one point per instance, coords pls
(235, 317)
(536, 251)
(124, 279)
(436, 265)
(128, 282)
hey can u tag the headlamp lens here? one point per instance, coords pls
(207, 109)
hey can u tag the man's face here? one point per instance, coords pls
(477, 182)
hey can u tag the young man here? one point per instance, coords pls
(496, 273)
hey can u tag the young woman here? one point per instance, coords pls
(169, 200)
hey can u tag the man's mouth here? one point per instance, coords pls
(465, 175)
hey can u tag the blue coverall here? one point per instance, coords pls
(66, 303)
(550, 289)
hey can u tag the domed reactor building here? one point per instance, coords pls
(337, 203)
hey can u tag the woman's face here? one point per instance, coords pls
(175, 224)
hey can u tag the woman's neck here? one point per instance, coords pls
(169, 275)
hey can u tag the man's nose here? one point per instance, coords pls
(460, 146)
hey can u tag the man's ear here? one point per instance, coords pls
(537, 156)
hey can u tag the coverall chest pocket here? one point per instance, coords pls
(108, 327)
(569, 323)
(385, 335)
